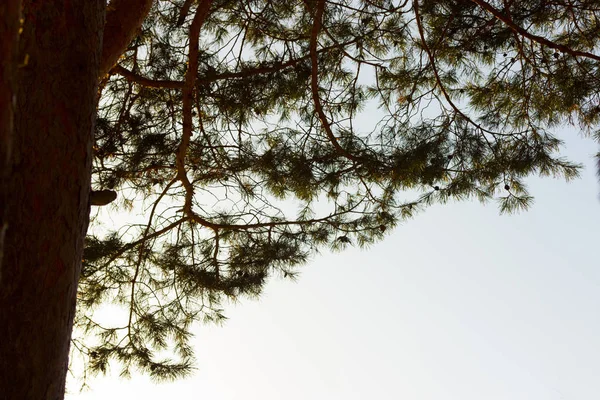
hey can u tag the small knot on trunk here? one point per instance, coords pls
(102, 197)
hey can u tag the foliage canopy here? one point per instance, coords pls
(239, 128)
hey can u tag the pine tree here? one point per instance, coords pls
(220, 110)
(230, 127)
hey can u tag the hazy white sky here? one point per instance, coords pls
(458, 303)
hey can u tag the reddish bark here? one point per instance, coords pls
(48, 190)
(48, 187)
(123, 21)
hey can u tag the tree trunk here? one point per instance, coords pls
(9, 41)
(49, 185)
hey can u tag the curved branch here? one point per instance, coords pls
(523, 32)
(436, 74)
(188, 97)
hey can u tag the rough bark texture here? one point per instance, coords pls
(9, 40)
(49, 187)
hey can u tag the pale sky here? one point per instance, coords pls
(457, 303)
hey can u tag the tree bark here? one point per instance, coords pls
(49, 184)
(9, 40)
(123, 21)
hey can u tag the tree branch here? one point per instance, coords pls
(123, 20)
(185, 9)
(188, 97)
(314, 82)
(142, 80)
(523, 32)
(439, 80)
(169, 84)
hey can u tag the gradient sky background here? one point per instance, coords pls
(457, 303)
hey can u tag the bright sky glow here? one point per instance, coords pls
(458, 303)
